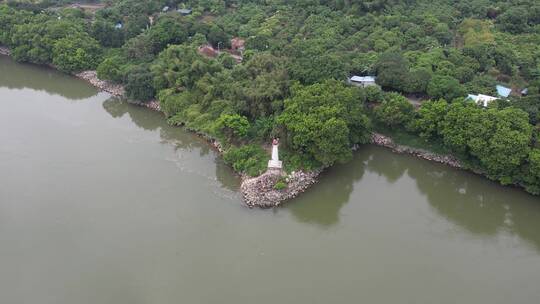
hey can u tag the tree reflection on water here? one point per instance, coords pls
(30, 76)
(178, 137)
(322, 203)
(468, 200)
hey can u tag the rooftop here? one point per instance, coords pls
(184, 11)
(503, 91)
(481, 99)
(363, 78)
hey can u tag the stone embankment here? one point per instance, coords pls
(260, 191)
(111, 88)
(114, 89)
(385, 141)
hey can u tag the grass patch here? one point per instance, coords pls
(280, 185)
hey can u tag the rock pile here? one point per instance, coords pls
(4, 51)
(111, 88)
(260, 192)
(384, 141)
(153, 105)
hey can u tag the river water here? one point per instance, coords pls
(102, 202)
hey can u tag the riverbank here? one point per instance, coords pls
(261, 191)
(257, 191)
(387, 142)
(114, 89)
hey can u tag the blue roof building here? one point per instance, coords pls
(503, 91)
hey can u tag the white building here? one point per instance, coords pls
(481, 99)
(363, 81)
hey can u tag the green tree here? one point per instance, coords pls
(430, 117)
(514, 20)
(324, 120)
(218, 38)
(76, 53)
(458, 126)
(139, 84)
(111, 68)
(395, 110)
(107, 34)
(139, 49)
(533, 173)
(503, 144)
(250, 159)
(232, 125)
(445, 87)
(167, 30)
(392, 71)
(262, 85)
(180, 66)
(418, 81)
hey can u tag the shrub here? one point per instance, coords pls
(249, 159)
(280, 185)
(139, 84)
(111, 69)
(395, 110)
(76, 53)
(232, 125)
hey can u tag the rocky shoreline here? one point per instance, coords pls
(261, 192)
(385, 141)
(114, 89)
(257, 191)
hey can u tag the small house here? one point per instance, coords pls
(363, 81)
(482, 100)
(503, 91)
(208, 51)
(165, 9)
(185, 11)
(238, 44)
(525, 92)
(118, 26)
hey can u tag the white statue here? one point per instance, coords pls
(275, 163)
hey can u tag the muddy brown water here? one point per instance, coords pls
(102, 202)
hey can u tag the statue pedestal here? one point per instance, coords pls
(275, 164)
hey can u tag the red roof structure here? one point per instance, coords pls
(238, 44)
(208, 51)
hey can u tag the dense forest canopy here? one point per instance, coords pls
(289, 78)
